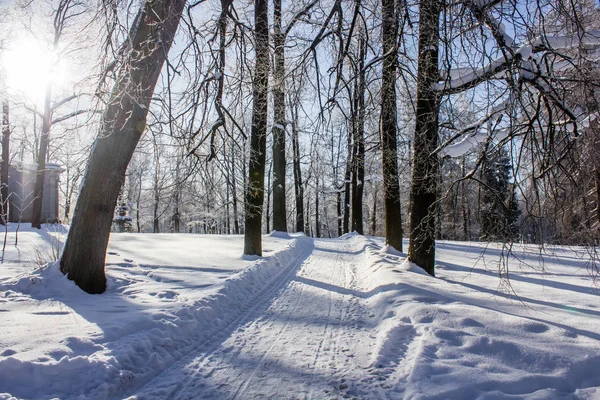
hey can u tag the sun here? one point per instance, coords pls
(29, 67)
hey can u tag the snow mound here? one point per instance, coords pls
(280, 235)
(42, 283)
(435, 340)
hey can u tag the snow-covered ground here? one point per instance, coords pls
(187, 317)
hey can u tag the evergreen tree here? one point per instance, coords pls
(499, 208)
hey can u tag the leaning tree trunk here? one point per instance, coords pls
(424, 192)
(123, 123)
(279, 161)
(391, 187)
(5, 163)
(255, 194)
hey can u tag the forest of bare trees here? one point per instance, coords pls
(471, 120)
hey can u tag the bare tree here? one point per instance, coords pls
(391, 188)
(65, 13)
(421, 249)
(123, 122)
(279, 123)
(255, 193)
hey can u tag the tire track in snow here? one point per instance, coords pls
(295, 350)
(327, 325)
(291, 312)
(245, 382)
(325, 346)
(297, 341)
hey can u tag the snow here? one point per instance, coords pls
(466, 144)
(590, 38)
(463, 77)
(187, 316)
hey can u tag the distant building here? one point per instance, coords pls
(21, 184)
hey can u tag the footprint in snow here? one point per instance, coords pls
(8, 352)
(536, 327)
(169, 294)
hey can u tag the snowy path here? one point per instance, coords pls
(306, 343)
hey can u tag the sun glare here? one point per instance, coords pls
(29, 68)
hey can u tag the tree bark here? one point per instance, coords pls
(268, 202)
(464, 206)
(317, 222)
(425, 179)
(176, 217)
(279, 161)
(255, 194)
(347, 185)
(156, 188)
(374, 214)
(236, 221)
(358, 179)
(298, 186)
(122, 125)
(597, 199)
(391, 187)
(5, 163)
(138, 203)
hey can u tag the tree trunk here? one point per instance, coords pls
(298, 187)
(317, 222)
(157, 174)
(268, 202)
(122, 125)
(597, 199)
(339, 213)
(308, 227)
(227, 189)
(236, 222)
(424, 191)
(176, 218)
(68, 192)
(359, 144)
(38, 191)
(255, 194)
(279, 161)
(5, 163)
(347, 185)
(374, 214)
(391, 187)
(466, 234)
(138, 204)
